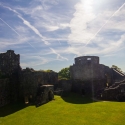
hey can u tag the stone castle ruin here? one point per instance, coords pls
(9, 62)
(88, 77)
(31, 79)
(17, 83)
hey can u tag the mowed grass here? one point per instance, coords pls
(70, 110)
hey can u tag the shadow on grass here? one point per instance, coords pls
(70, 98)
(76, 98)
(15, 107)
(11, 108)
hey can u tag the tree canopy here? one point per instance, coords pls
(116, 67)
(64, 73)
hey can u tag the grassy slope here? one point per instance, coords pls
(71, 110)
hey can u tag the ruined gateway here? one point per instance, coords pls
(87, 77)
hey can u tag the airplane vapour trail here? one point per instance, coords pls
(33, 29)
(16, 33)
(27, 24)
(58, 55)
(106, 23)
(14, 30)
(9, 26)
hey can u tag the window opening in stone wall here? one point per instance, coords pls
(88, 58)
(80, 61)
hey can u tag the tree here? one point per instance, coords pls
(48, 70)
(64, 73)
(116, 67)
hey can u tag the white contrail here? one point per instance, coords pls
(106, 22)
(58, 55)
(33, 29)
(28, 24)
(14, 31)
(9, 26)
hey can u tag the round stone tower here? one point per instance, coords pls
(83, 60)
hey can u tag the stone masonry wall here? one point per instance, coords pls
(86, 68)
(29, 81)
(4, 92)
(117, 75)
(14, 87)
(90, 87)
(9, 62)
(65, 85)
(90, 76)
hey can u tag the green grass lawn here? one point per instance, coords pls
(70, 110)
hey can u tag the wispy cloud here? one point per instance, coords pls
(27, 23)
(85, 30)
(16, 33)
(52, 28)
(58, 31)
(34, 29)
(105, 23)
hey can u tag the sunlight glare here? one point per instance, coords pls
(88, 5)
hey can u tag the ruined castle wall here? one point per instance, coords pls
(77, 86)
(9, 62)
(91, 79)
(117, 76)
(90, 87)
(86, 68)
(29, 81)
(14, 87)
(78, 72)
(87, 72)
(4, 92)
(88, 75)
(83, 60)
(98, 85)
(65, 85)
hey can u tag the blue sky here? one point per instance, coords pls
(50, 34)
